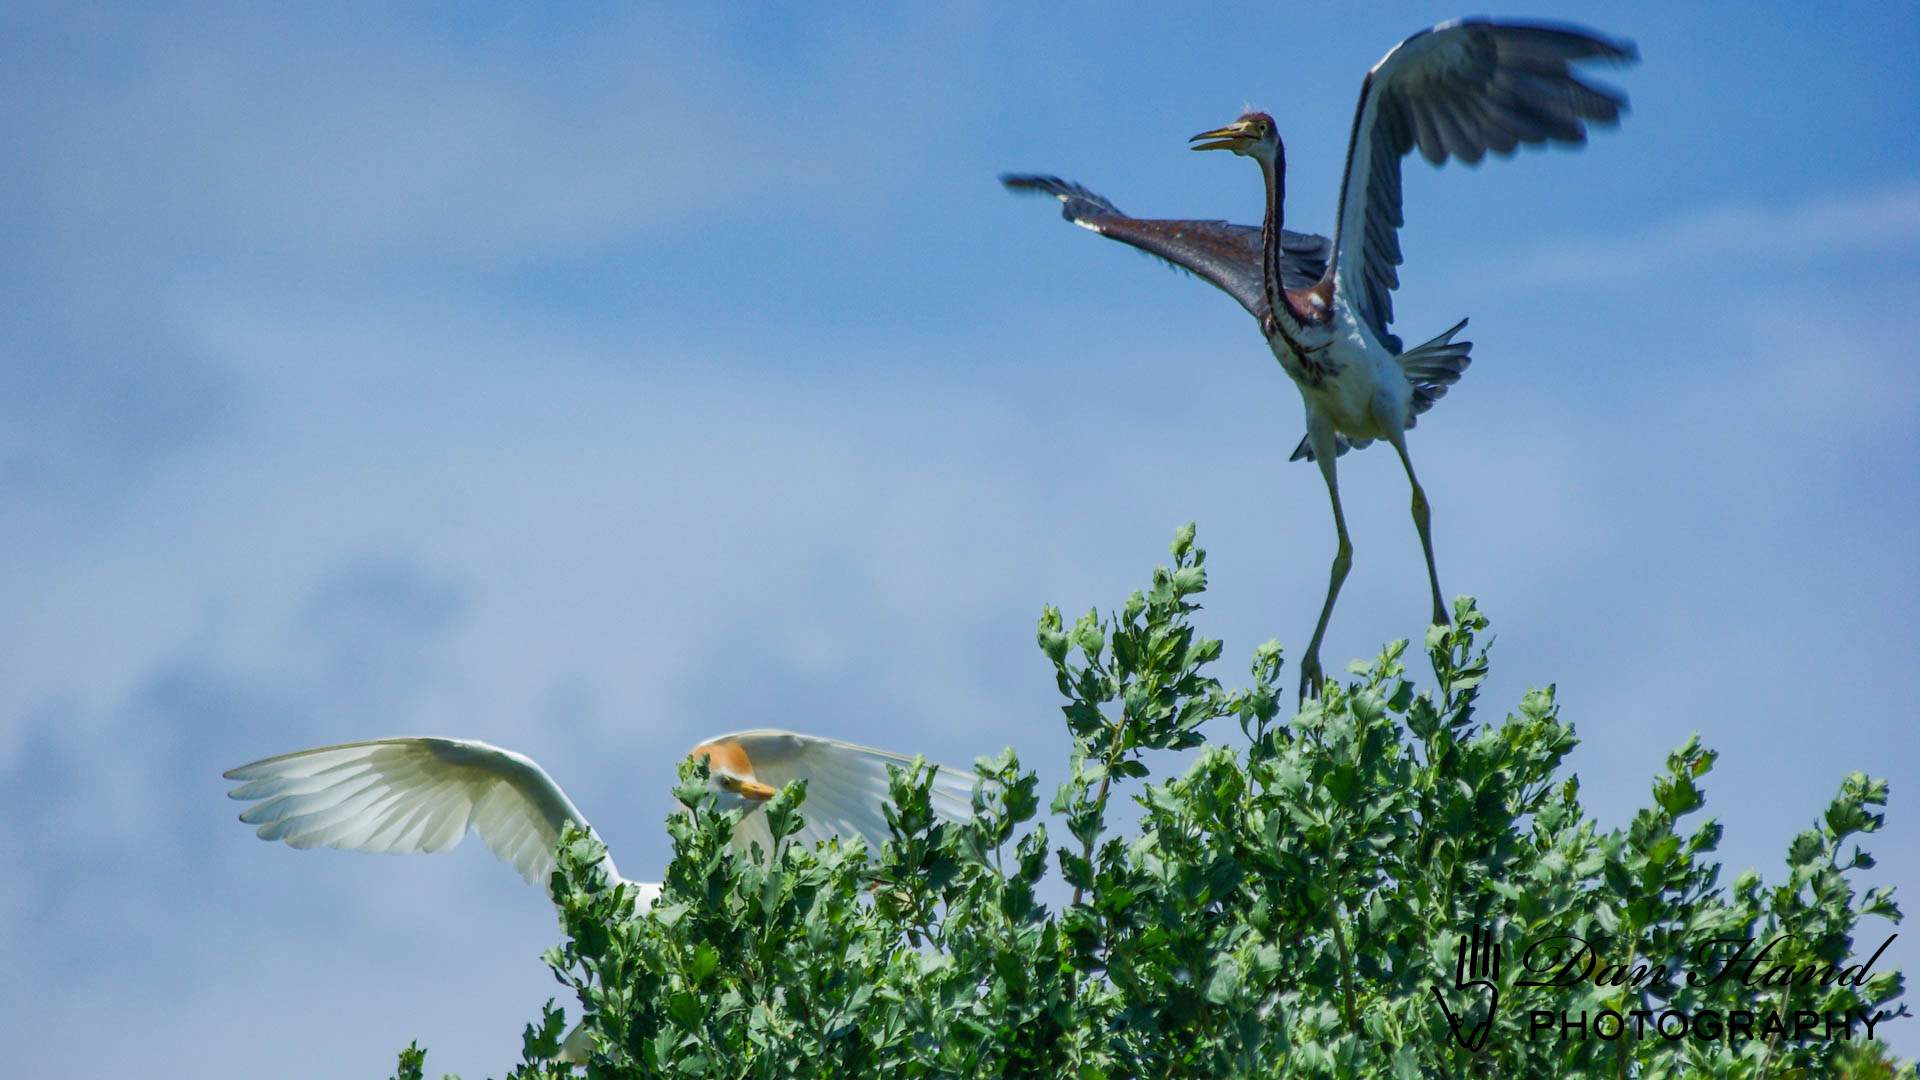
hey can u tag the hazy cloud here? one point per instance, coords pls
(594, 388)
(1848, 223)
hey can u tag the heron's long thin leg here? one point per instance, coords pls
(1422, 520)
(1324, 452)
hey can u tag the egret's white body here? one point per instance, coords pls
(419, 794)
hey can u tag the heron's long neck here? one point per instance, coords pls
(1274, 171)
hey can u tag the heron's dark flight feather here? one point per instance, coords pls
(1459, 90)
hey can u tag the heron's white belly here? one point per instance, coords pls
(1366, 397)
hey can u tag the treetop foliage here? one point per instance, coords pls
(1362, 890)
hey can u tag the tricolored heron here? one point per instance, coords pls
(1458, 90)
(406, 795)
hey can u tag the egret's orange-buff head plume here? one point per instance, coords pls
(732, 771)
(725, 754)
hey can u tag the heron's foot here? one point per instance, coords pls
(1440, 613)
(1312, 679)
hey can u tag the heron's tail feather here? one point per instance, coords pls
(1435, 366)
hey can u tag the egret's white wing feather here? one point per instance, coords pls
(417, 794)
(847, 786)
(422, 794)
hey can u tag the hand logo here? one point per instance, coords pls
(1476, 967)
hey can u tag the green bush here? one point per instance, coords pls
(1320, 897)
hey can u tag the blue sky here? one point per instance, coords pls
(592, 386)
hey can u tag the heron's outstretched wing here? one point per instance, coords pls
(411, 795)
(847, 786)
(1458, 90)
(1226, 255)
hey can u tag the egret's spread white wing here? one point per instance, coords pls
(1458, 90)
(411, 795)
(847, 786)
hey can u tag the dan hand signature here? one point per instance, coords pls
(1476, 973)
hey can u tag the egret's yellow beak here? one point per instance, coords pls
(1225, 138)
(755, 790)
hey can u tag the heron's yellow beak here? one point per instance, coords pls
(755, 790)
(1225, 138)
